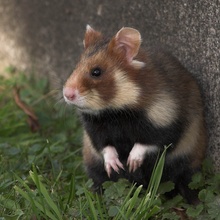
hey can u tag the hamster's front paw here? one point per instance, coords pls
(111, 160)
(137, 155)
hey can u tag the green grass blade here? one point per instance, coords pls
(30, 193)
(101, 207)
(45, 193)
(121, 216)
(91, 204)
(9, 204)
(132, 202)
(125, 204)
(36, 203)
(72, 193)
(156, 176)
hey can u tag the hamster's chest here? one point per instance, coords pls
(119, 129)
(122, 129)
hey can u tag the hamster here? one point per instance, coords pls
(133, 102)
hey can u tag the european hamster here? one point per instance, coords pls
(132, 103)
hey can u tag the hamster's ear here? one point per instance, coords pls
(91, 36)
(127, 41)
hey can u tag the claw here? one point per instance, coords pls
(137, 155)
(111, 160)
(134, 164)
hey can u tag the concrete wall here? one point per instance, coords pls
(46, 36)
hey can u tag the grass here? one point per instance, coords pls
(42, 176)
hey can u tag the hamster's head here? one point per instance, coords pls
(105, 77)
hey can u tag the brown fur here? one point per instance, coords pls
(89, 152)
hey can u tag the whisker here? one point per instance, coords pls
(61, 101)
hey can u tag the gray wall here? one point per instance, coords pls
(46, 36)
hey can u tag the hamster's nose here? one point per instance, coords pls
(69, 93)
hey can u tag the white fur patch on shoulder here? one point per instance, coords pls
(163, 110)
(127, 92)
(138, 64)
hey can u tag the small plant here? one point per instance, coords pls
(208, 183)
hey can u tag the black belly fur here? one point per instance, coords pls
(122, 129)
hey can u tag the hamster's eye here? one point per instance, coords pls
(96, 72)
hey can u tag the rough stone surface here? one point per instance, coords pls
(46, 37)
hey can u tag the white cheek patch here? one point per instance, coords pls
(163, 110)
(127, 92)
(94, 101)
(89, 102)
